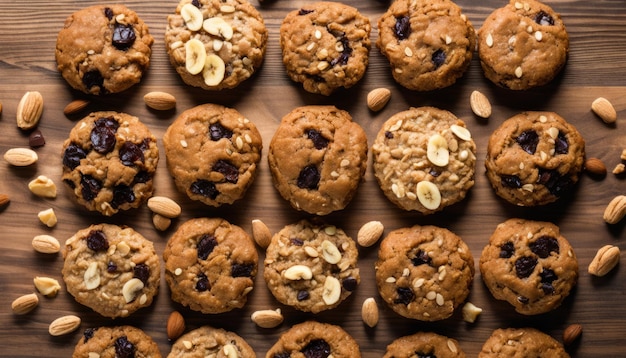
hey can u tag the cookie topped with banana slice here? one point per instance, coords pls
(424, 159)
(215, 44)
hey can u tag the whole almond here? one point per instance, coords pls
(29, 110)
(261, 233)
(75, 106)
(64, 325)
(369, 312)
(378, 98)
(595, 166)
(25, 303)
(616, 210)
(161, 101)
(175, 325)
(604, 109)
(20, 157)
(4, 200)
(46, 244)
(480, 105)
(161, 222)
(605, 260)
(164, 206)
(369, 233)
(267, 318)
(572, 333)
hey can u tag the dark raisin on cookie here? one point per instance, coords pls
(94, 78)
(90, 187)
(561, 146)
(230, 172)
(196, 3)
(428, 354)
(345, 52)
(557, 185)
(543, 246)
(204, 188)
(511, 181)
(205, 246)
(124, 348)
(303, 295)
(319, 142)
(528, 140)
(142, 272)
(217, 132)
(241, 270)
(296, 241)
(405, 295)
(97, 241)
(111, 267)
(108, 13)
(421, 258)
(122, 194)
(203, 283)
(309, 177)
(317, 348)
(547, 277)
(304, 12)
(73, 155)
(507, 250)
(349, 284)
(524, 266)
(402, 28)
(131, 153)
(103, 135)
(543, 18)
(88, 334)
(123, 37)
(438, 58)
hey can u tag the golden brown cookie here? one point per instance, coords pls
(521, 343)
(314, 339)
(424, 344)
(119, 342)
(210, 342)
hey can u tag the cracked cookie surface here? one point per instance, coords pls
(424, 344)
(207, 341)
(315, 339)
(521, 343)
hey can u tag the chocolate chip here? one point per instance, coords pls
(438, 58)
(204, 188)
(528, 140)
(561, 146)
(309, 177)
(524, 266)
(230, 172)
(90, 187)
(123, 37)
(402, 27)
(131, 153)
(317, 348)
(303, 295)
(511, 181)
(544, 245)
(36, 139)
(97, 241)
(319, 142)
(241, 270)
(217, 132)
(543, 18)
(203, 283)
(349, 283)
(205, 246)
(421, 258)
(124, 348)
(507, 250)
(72, 156)
(405, 295)
(94, 79)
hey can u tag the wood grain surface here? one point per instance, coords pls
(597, 30)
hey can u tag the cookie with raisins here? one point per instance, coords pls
(210, 265)
(325, 46)
(207, 341)
(111, 269)
(215, 44)
(424, 159)
(109, 162)
(424, 344)
(103, 49)
(317, 158)
(116, 341)
(523, 45)
(530, 265)
(424, 272)
(213, 153)
(315, 339)
(311, 266)
(534, 158)
(521, 342)
(428, 43)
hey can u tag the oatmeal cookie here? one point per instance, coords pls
(119, 341)
(208, 342)
(314, 339)
(424, 344)
(521, 343)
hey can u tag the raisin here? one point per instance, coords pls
(560, 145)
(88, 334)
(142, 177)
(304, 12)
(512, 181)
(557, 185)
(111, 267)
(303, 295)
(319, 142)
(317, 348)
(203, 283)
(507, 250)
(142, 272)
(205, 246)
(402, 28)
(349, 283)
(425, 354)
(421, 258)
(69, 183)
(544, 245)
(230, 172)
(438, 58)
(103, 135)
(524, 266)
(108, 13)
(130, 153)
(543, 18)
(547, 277)
(124, 348)
(345, 53)
(123, 37)
(241, 270)
(36, 139)
(405, 295)
(97, 241)
(309, 177)
(196, 3)
(122, 194)
(296, 241)
(90, 187)
(217, 132)
(434, 172)
(204, 188)
(523, 300)
(93, 78)
(72, 156)
(388, 135)
(528, 140)
(282, 355)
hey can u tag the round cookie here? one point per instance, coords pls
(213, 153)
(313, 339)
(208, 341)
(325, 46)
(424, 159)
(118, 341)
(210, 265)
(424, 344)
(530, 265)
(111, 269)
(215, 44)
(424, 272)
(317, 158)
(521, 343)
(109, 161)
(103, 49)
(311, 266)
(534, 158)
(429, 43)
(522, 45)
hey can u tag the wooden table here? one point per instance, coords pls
(597, 29)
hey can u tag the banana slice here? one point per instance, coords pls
(192, 16)
(218, 27)
(214, 69)
(428, 194)
(195, 56)
(437, 150)
(461, 132)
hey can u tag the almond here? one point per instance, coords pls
(480, 104)
(623, 155)
(75, 107)
(471, 312)
(161, 222)
(64, 325)
(616, 210)
(20, 157)
(267, 318)
(4, 200)
(164, 206)
(29, 110)
(47, 286)
(369, 312)
(369, 233)
(46, 244)
(25, 303)
(378, 98)
(43, 186)
(261, 233)
(605, 260)
(161, 101)
(48, 217)
(572, 333)
(175, 325)
(595, 166)
(619, 169)
(604, 109)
